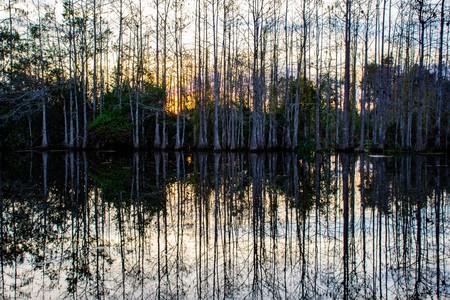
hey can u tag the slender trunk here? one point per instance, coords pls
(84, 71)
(287, 93)
(345, 127)
(71, 82)
(215, 18)
(177, 70)
(62, 81)
(182, 84)
(419, 141)
(437, 141)
(44, 143)
(206, 90)
(75, 84)
(353, 84)
(164, 74)
(318, 71)
(364, 83)
(139, 77)
(298, 89)
(328, 88)
(419, 146)
(255, 130)
(94, 62)
(241, 142)
(263, 90)
(409, 82)
(273, 92)
(227, 85)
(66, 133)
(157, 44)
(199, 78)
(119, 55)
(337, 93)
(382, 92)
(157, 142)
(103, 49)
(10, 42)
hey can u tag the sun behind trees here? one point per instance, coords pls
(225, 75)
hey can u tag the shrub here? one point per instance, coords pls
(111, 128)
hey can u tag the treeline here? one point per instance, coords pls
(225, 75)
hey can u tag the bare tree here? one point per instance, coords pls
(437, 141)
(425, 15)
(94, 59)
(346, 108)
(366, 14)
(157, 141)
(319, 50)
(44, 143)
(119, 54)
(215, 21)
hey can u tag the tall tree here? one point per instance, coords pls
(257, 136)
(119, 55)
(346, 108)
(287, 94)
(200, 87)
(317, 125)
(178, 75)
(44, 96)
(215, 23)
(425, 15)
(164, 71)
(94, 59)
(437, 141)
(366, 14)
(157, 141)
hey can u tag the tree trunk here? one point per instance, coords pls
(364, 83)
(157, 142)
(84, 74)
(119, 55)
(44, 143)
(164, 74)
(177, 84)
(318, 72)
(437, 140)
(419, 146)
(346, 108)
(255, 129)
(94, 62)
(215, 18)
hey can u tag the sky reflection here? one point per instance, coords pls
(176, 225)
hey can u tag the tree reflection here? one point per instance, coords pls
(224, 225)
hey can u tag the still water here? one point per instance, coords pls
(233, 225)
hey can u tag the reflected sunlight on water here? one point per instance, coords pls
(171, 225)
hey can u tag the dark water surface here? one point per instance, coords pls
(254, 226)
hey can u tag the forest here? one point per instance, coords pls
(311, 75)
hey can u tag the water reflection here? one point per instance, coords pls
(231, 225)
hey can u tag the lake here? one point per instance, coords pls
(160, 225)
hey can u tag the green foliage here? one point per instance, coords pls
(7, 40)
(110, 101)
(14, 134)
(153, 95)
(114, 180)
(306, 147)
(111, 128)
